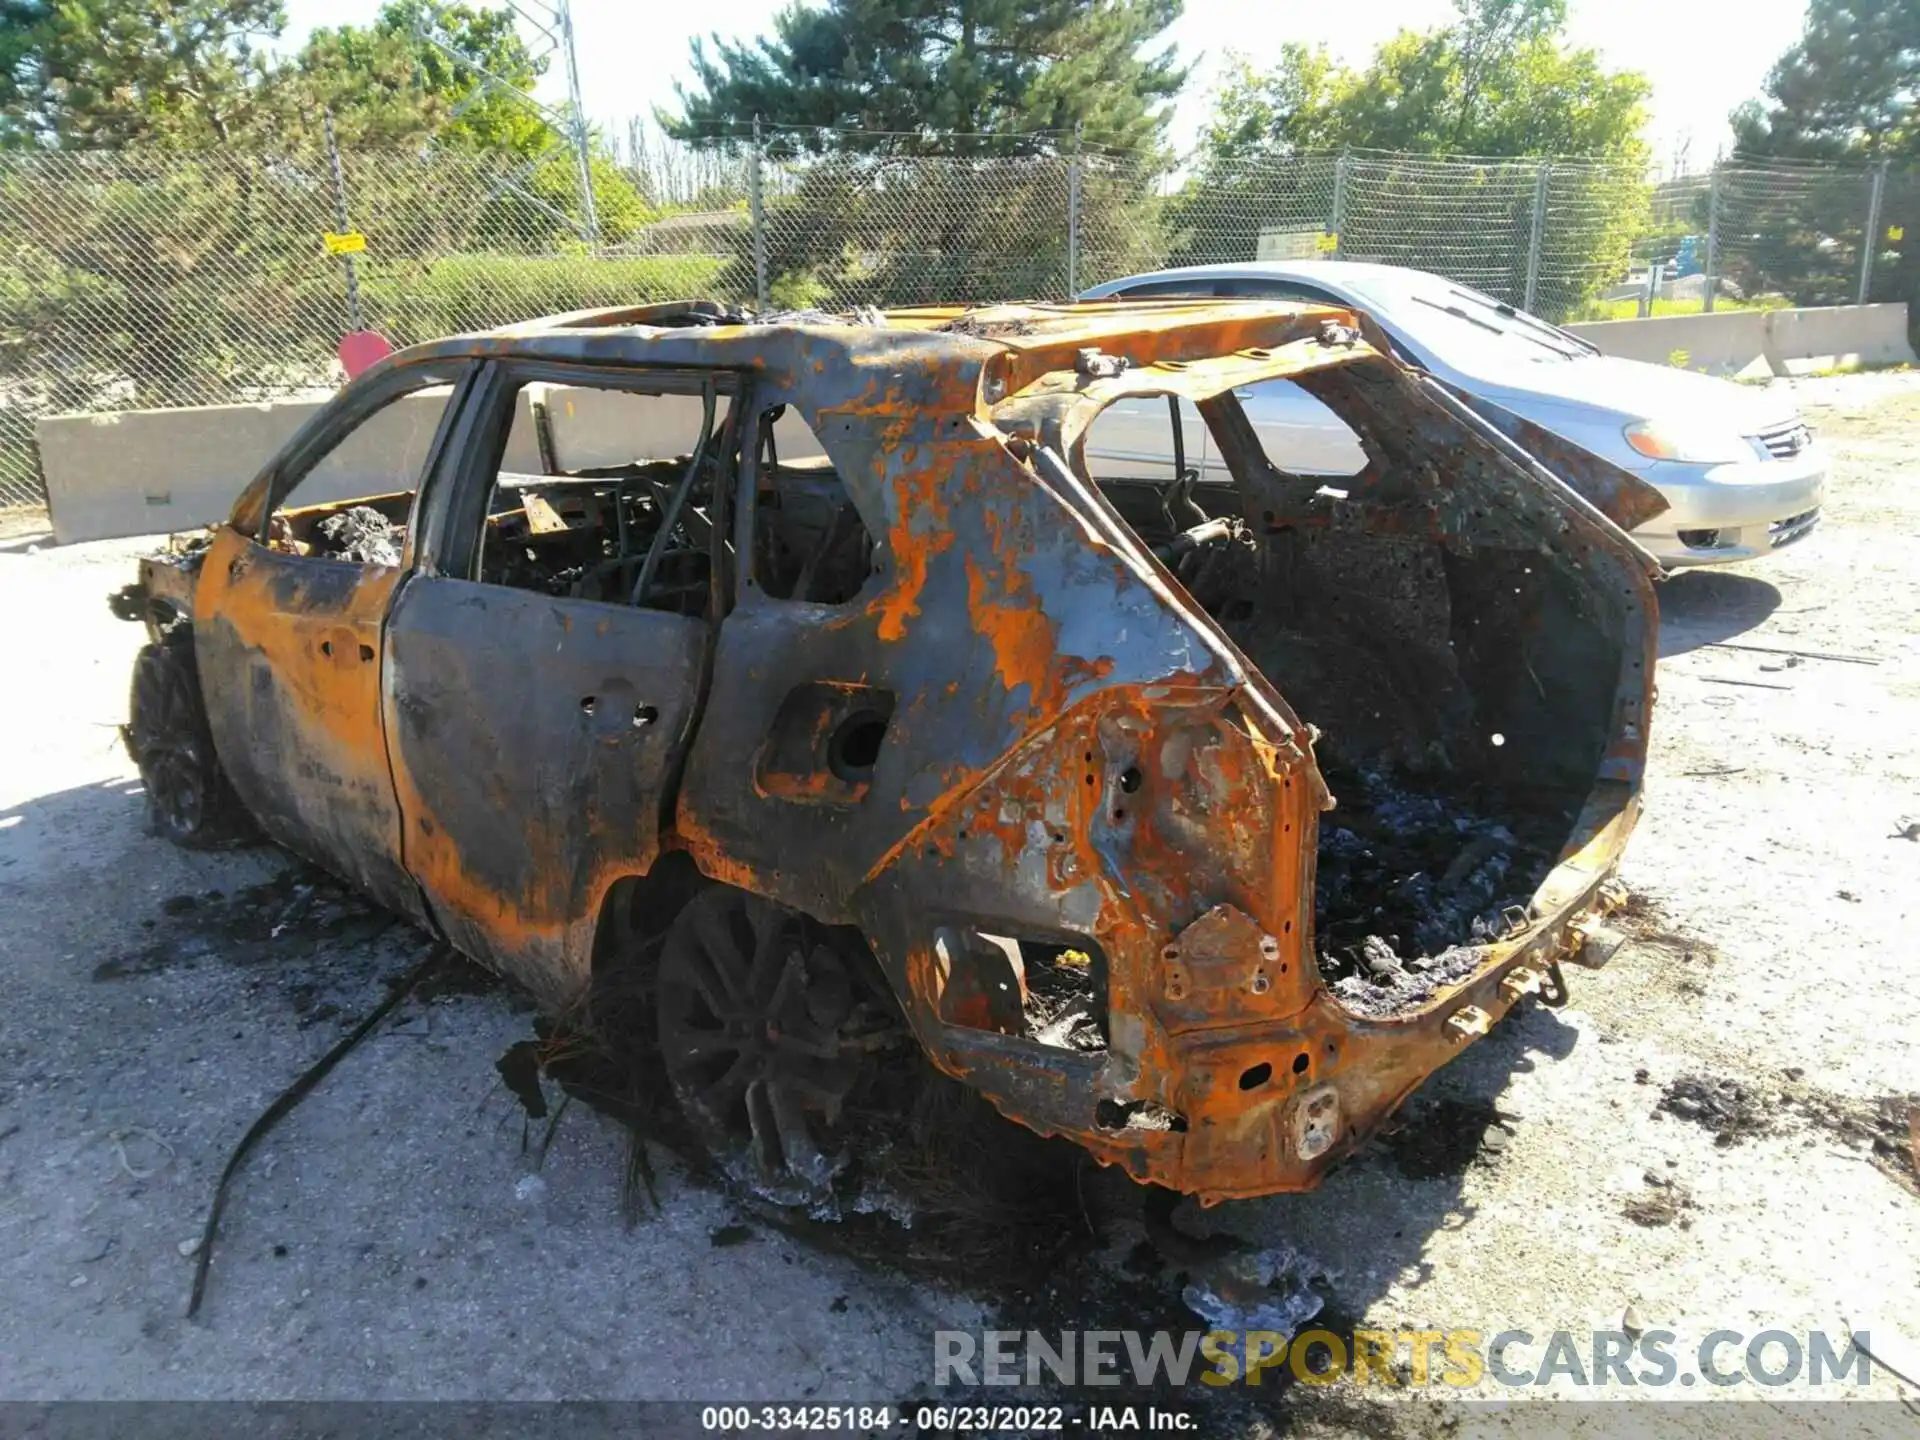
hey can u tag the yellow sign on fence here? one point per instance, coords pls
(350, 243)
(1896, 233)
(1327, 243)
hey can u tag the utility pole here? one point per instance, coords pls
(552, 21)
(582, 138)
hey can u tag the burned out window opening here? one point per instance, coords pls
(636, 532)
(338, 511)
(810, 542)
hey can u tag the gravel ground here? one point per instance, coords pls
(1693, 1136)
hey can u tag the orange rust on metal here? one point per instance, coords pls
(919, 533)
(1022, 640)
(310, 657)
(317, 656)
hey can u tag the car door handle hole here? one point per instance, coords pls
(589, 703)
(644, 715)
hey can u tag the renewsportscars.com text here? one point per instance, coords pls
(1457, 1359)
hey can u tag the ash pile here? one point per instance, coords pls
(364, 536)
(1412, 883)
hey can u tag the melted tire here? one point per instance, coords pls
(765, 1029)
(189, 798)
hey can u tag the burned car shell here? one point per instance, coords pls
(1075, 753)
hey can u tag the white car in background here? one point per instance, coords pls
(1737, 465)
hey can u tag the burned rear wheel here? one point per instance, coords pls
(768, 1021)
(188, 798)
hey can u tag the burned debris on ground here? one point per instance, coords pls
(292, 914)
(1731, 1111)
(1443, 1137)
(1886, 1128)
(1664, 1201)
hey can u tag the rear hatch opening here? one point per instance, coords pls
(1463, 641)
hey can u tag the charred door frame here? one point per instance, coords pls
(538, 741)
(353, 407)
(288, 649)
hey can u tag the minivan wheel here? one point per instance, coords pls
(766, 1025)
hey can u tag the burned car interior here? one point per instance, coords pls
(586, 531)
(1196, 818)
(1460, 701)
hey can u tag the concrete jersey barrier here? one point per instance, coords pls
(1837, 337)
(1752, 344)
(1732, 343)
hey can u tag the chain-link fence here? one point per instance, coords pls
(135, 281)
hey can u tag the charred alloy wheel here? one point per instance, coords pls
(764, 1030)
(188, 799)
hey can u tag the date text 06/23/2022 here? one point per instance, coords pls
(943, 1419)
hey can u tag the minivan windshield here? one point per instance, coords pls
(1453, 321)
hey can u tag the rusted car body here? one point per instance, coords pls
(1198, 824)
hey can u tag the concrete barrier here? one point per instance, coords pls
(1756, 343)
(149, 472)
(1837, 337)
(1732, 343)
(589, 428)
(145, 472)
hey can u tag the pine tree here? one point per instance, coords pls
(1846, 88)
(947, 76)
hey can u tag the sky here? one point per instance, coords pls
(1703, 57)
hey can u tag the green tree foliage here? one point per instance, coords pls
(418, 71)
(986, 95)
(195, 75)
(186, 73)
(446, 71)
(1843, 93)
(163, 193)
(1845, 90)
(1499, 82)
(1007, 75)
